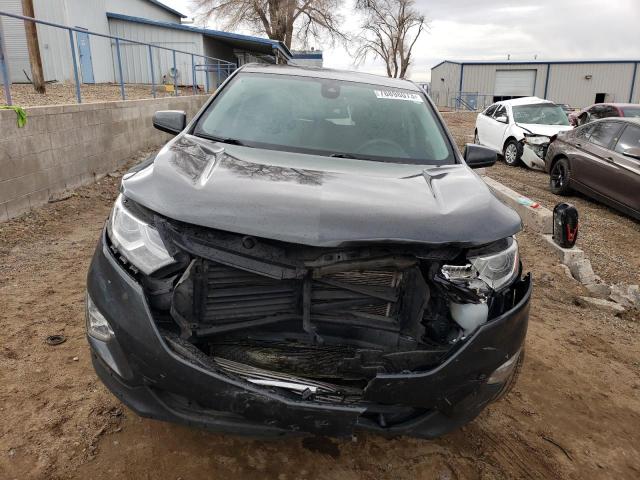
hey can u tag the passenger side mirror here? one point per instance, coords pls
(477, 156)
(502, 119)
(633, 152)
(170, 121)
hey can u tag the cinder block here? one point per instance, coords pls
(565, 255)
(60, 121)
(38, 198)
(21, 186)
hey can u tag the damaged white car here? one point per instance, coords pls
(521, 129)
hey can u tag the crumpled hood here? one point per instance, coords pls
(317, 200)
(547, 130)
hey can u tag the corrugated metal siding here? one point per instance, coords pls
(636, 88)
(442, 91)
(567, 83)
(482, 78)
(135, 58)
(16, 42)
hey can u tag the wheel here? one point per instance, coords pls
(559, 177)
(512, 153)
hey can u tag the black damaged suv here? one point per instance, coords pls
(309, 254)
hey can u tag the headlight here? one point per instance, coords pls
(497, 269)
(536, 139)
(136, 240)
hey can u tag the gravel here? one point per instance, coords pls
(65, 93)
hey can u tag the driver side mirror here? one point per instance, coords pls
(170, 121)
(502, 119)
(477, 156)
(633, 152)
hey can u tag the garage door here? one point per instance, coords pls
(515, 83)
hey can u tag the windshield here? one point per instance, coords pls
(327, 117)
(541, 114)
(631, 111)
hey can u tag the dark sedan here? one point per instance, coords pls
(604, 110)
(601, 160)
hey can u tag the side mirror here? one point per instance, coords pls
(170, 121)
(502, 119)
(477, 156)
(633, 152)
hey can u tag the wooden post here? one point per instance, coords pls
(37, 76)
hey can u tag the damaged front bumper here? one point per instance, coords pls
(534, 150)
(139, 366)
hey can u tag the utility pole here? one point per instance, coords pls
(34, 47)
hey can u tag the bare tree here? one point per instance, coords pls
(390, 29)
(283, 20)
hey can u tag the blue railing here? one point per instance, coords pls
(471, 101)
(211, 64)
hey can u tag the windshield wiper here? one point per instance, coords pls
(342, 155)
(230, 141)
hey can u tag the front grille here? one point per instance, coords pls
(231, 295)
(226, 298)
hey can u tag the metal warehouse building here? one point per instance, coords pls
(473, 84)
(148, 21)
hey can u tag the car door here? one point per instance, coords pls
(496, 128)
(628, 180)
(595, 166)
(482, 123)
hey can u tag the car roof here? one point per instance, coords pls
(524, 101)
(632, 120)
(330, 74)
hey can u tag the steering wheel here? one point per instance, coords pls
(380, 141)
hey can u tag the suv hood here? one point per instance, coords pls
(318, 200)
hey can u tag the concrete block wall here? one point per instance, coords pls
(65, 146)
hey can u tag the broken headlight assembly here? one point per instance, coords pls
(537, 143)
(137, 241)
(497, 269)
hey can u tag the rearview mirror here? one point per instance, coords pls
(170, 121)
(502, 119)
(633, 152)
(477, 156)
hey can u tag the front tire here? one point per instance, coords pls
(559, 177)
(512, 153)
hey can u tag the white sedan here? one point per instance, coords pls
(521, 129)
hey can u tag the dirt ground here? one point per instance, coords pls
(609, 238)
(24, 95)
(574, 414)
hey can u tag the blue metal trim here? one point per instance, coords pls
(75, 66)
(633, 81)
(175, 75)
(193, 75)
(6, 80)
(205, 31)
(124, 97)
(461, 77)
(546, 82)
(445, 61)
(542, 62)
(168, 9)
(153, 81)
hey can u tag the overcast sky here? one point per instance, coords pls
(493, 29)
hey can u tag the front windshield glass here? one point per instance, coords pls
(631, 111)
(541, 114)
(327, 117)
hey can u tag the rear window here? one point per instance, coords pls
(327, 117)
(631, 111)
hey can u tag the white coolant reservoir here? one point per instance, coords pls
(469, 315)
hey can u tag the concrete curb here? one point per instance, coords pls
(539, 219)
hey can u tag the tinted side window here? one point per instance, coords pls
(610, 112)
(583, 132)
(630, 138)
(603, 133)
(489, 111)
(596, 112)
